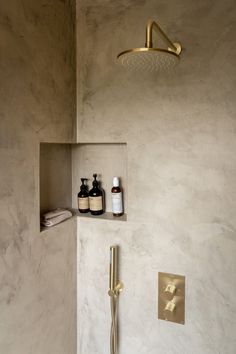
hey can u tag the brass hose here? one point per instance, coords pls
(113, 334)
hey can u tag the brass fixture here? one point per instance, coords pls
(115, 287)
(171, 297)
(171, 289)
(170, 306)
(148, 58)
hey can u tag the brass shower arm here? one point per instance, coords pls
(150, 58)
(149, 44)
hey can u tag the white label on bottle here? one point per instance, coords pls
(117, 205)
(83, 203)
(95, 203)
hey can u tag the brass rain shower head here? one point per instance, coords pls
(148, 58)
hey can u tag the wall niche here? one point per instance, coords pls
(62, 166)
(55, 176)
(107, 160)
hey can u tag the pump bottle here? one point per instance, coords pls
(96, 198)
(83, 197)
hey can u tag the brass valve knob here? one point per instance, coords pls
(170, 306)
(171, 289)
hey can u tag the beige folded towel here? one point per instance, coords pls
(54, 217)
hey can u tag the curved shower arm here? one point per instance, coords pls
(151, 24)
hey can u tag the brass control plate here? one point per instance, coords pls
(171, 297)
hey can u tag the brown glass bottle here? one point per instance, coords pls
(96, 198)
(117, 201)
(83, 197)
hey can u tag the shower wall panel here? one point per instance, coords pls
(37, 103)
(180, 134)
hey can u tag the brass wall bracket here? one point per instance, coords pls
(171, 297)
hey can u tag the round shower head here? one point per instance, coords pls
(148, 59)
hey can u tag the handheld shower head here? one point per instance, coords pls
(113, 267)
(115, 285)
(148, 58)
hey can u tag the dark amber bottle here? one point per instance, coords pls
(96, 198)
(83, 197)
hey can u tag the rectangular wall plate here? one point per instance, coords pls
(171, 297)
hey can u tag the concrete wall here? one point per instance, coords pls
(180, 134)
(37, 103)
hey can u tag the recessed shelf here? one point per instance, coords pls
(55, 176)
(46, 228)
(105, 159)
(62, 166)
(105, 216)
(76, 213)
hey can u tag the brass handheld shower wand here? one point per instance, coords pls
(115, 287)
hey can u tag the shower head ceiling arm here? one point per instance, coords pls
(151, 24)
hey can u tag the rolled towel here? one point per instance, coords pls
(54, 217)
(56, 212)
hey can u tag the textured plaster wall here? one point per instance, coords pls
(180, 134)
(37, 103)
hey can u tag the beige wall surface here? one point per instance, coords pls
(37, 103)
(181, 142)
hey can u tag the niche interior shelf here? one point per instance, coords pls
(105, 216)
(60, 225)
(62, 166)
(76, 213)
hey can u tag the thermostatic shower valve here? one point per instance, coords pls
(171, 297)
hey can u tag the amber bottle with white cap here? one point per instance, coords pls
(117, 198)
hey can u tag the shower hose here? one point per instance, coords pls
(113, 334)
